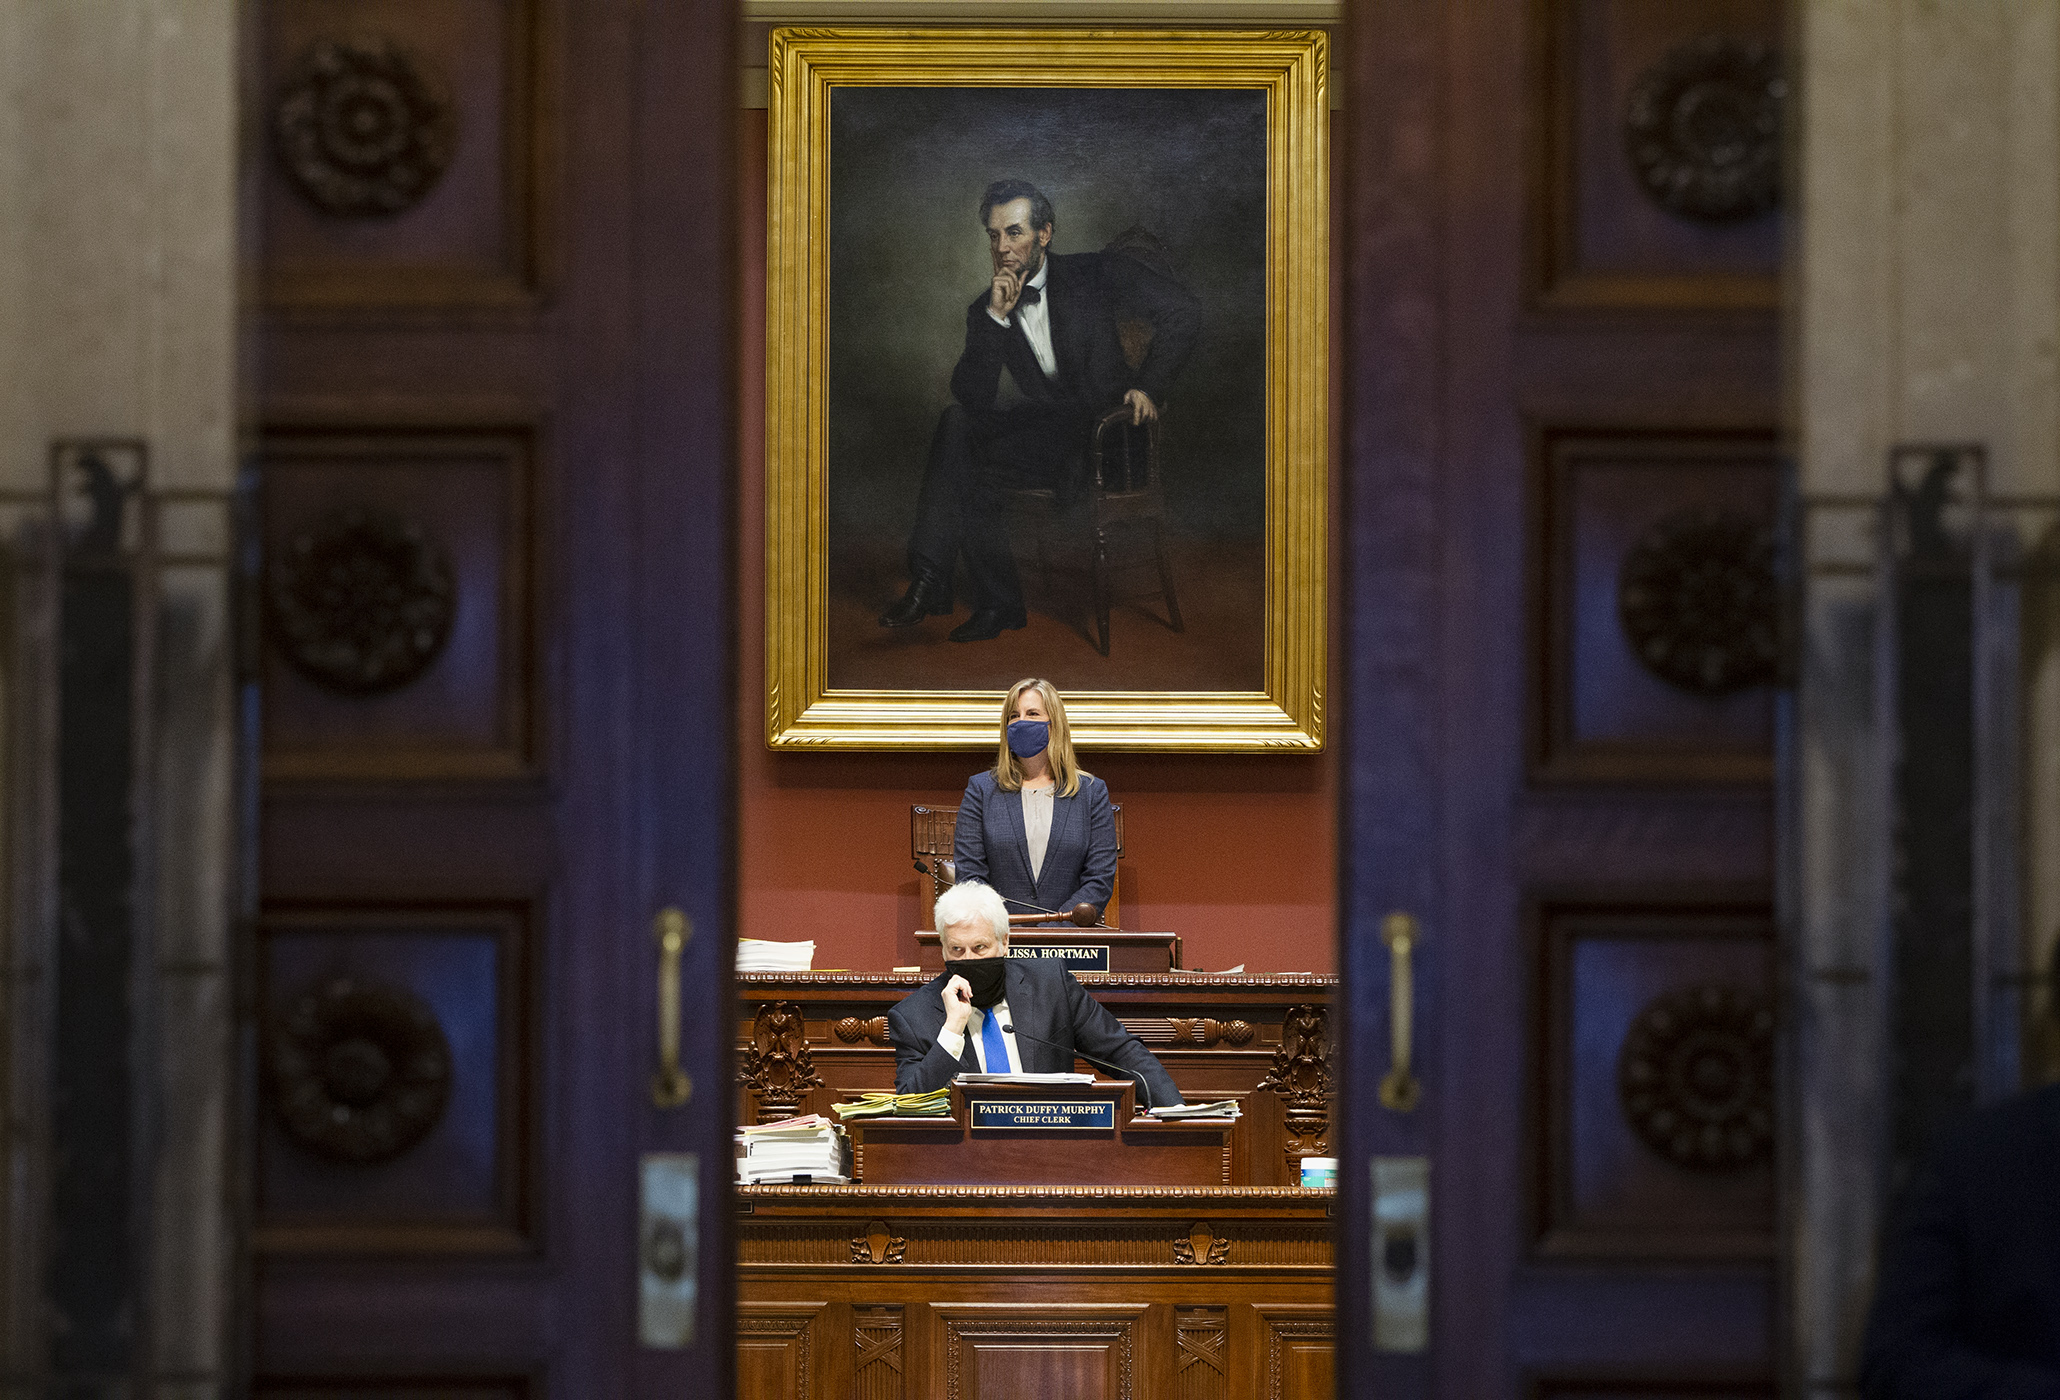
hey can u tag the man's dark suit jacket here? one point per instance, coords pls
(1079, 854)
(1968, 1306)
(1046, 1002)
(1085, 294)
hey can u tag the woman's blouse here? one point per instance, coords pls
(1037, 824)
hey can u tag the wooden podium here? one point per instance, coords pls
(1086, 1292)
(1043, 1134)
(1090, 1282)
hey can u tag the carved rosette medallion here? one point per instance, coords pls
(1696, 1077)
(362, 127)
(1300, 1074)
(1703, 128)
(1697, 599)
(361, 1071)
(778, 1067)
(362, 600)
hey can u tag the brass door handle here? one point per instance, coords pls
(670, 1087)
(1400, 1090)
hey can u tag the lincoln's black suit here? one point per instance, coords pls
(980, 449)
(1046, 1002)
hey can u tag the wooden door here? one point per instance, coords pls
(492, 370)
(1560, 707)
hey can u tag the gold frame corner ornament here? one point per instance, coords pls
(1292, 67)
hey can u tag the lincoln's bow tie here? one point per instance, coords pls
(1030, 296)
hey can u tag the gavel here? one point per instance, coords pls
(1083, 915)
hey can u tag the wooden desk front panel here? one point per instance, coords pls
(934, 1292)
(807, 1040)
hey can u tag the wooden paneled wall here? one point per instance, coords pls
(1564, 469)
(491, 360)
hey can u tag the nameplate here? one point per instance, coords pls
(1044, 1114)
(1074, 957)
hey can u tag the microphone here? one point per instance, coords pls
(1082, 915)
(1135, 1076)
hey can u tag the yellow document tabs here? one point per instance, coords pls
(935, 1104)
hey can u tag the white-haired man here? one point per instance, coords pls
(989, 1012)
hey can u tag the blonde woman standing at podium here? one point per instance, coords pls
(1035, 826)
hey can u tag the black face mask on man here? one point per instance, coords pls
(983, 975)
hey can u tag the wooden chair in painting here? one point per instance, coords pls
(1125, 489)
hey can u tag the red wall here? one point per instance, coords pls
(1235, 854)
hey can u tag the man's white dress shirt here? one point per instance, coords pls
(955, 1044)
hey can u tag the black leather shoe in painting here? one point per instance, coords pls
(988, 623)
(928, 596)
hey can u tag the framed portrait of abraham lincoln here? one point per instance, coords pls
(1047, 379)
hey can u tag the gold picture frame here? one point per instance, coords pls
(1281, 637)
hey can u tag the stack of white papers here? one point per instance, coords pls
(1024, 1079)
(763, 955)
(810, 1146)
(1221, 1108)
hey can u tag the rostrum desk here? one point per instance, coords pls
(1025, 1289)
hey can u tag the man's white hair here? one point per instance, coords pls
(972, 903)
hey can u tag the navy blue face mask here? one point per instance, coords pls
(1028, 737)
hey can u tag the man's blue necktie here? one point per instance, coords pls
(997, 1049)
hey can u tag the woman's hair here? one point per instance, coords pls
(1066, 771)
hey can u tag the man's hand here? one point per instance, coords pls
(958, 1004)
(1142, 409)
(1003, 295)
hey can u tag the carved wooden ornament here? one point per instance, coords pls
(1703, 128)
(361, 1071)
(1203, 1335)
(852, 1029)
(363, 128)
(1300, 1074)
(1203, 1031)
(1301, 1066)
(1696, 1077)
(778, 1066)
(1698, 602)
(362, 600)
(1201, 1245)
(878, 1245)
(876, 1348)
